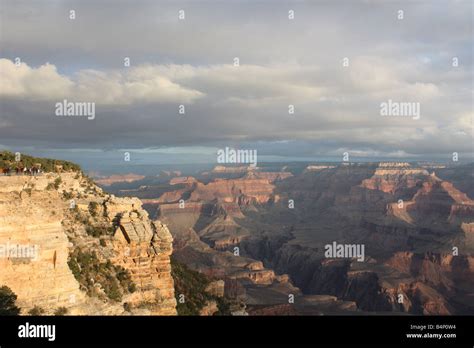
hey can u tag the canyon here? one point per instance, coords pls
(258, 234)
(266, 229)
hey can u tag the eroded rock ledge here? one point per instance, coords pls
(57, 214)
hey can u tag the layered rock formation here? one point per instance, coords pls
(62, 213)
(30, 221)
(243, 230)
(144, 249)
(435, 200)
(242, 191)
(390, 177)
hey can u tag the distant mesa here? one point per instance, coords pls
(317, 168)
(186, 180)
(169, 173)
(390, 176)
(270, 176)
(233, 170)
(242, 191)
(397, 168)
(112, 179)
(394, 164)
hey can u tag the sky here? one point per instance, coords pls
(335, 62)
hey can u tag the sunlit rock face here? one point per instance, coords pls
(51, 214)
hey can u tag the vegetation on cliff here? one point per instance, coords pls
(8, 302)
(7, 159)
(190, 291)
(94, 275)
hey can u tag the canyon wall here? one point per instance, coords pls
(33, 222)
(57, 215)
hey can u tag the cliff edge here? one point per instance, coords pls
(64, 243)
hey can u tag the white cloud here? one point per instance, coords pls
(124, 87)
(25, 82)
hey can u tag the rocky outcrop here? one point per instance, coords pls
(428, 300)
(468, 229)
(183, 180)
(284, 309)
(209, 308)
(264, 276)
(144, 249)
(439, 270)
(364, 289)
(168, 197)
(223, 233)
(58, 214)
(216, 288)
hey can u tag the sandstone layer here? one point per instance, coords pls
(59, 214)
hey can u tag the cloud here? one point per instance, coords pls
(134, 85)
(282, 62)
(36, 84)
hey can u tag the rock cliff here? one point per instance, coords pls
(62, 222)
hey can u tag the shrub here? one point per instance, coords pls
(60, 311)
(8, 302)
(67, 195)
(97, 231)
(125, 279)
(112, 290)
(93, 208)
(36, 310)
(74, 267)
(57, 182)
(137, 212)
